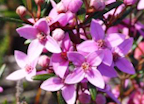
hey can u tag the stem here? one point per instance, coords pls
(39, 12)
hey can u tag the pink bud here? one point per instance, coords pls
(72, 5)
(38, 2)
(99, 5)
(58, 34)
(100, 99)
(44, 61)
(60, 7)
(21, 11)
(130, 2)
(84, 98)
(1, 89)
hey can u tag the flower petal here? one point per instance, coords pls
(114, 39)
(108, 71)
(34, 50)
(108, 58)
(87, 46)
(60, 65)
(42, 26)
(96, 30)
(52, 46)
(140, 5)
(30, 75)
(21, 58)
(75, 77)
(95, 58)
(124, 65)
(95, 78)
(52, 84)
(124, 47)
(69, 94)
(66, 43)
(17, 75)
(76, 58)
(27, 32)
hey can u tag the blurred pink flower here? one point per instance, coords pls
(139, 50)
(1, 89)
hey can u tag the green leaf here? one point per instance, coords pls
(5, 102)
(60, 98)
(29, 5)
(8, 19)
(2, 69)
(109, 7)
(42, 77)
(137, 42)
(27, 41)
(93, 91)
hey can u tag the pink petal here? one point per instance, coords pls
(52, 84)
(42, 26)
(27, 31)
(87, 46)
(60, 65)
(124, 47)
(21, 58)
(34, 50)
(95, 58)
(108, 58)
(124, 65)
(1, 89)
(75, 77)
(66, 43)
(108, 71)
(76, 58)
(52, 46)
(53, 3)
(30, 75)
(96, 30)
(114, 39)
(69, 94)
(140, 5)
(17, 75)
(95, 78)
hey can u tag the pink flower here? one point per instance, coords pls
(1, 89)
(99, 5)
(139, 52)
(39, 33)
(27, 66)
(118, 56)
(55, 84)
(86, 67)
(130, 2)
(101, 42)
(140, 5)
(60, 61)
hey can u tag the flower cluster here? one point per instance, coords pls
(78, 54)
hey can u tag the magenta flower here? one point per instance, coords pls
(86, 67)
(60, 61)
(101, 42)
(27, 67)
(55, 84)
(118, 57)
(1, 89)
(39, 33)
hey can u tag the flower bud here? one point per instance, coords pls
(21, 11)
(130, 2)
(72, 5)
(99, 5)
(84, 98)
(44, 61)
(61, 8)
(38, 2)
(58, 34)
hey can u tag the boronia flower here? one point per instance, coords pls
(39, 34)
(27, 66)
(86, 67)
(101, 42)
(56, 83)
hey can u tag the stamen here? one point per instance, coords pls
(85, 66)
(28, 69)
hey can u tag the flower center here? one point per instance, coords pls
(101, 43)
(115, 56)
(85, 66)
(64, 55)
(42, 37)
(28, 69)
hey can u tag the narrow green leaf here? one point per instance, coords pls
(29, 5)
(42, 76)
(27, 41)
(92, 90)
(109, 7)
(137, 42)
(2, 69)
(60, 98)
(8, 19)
